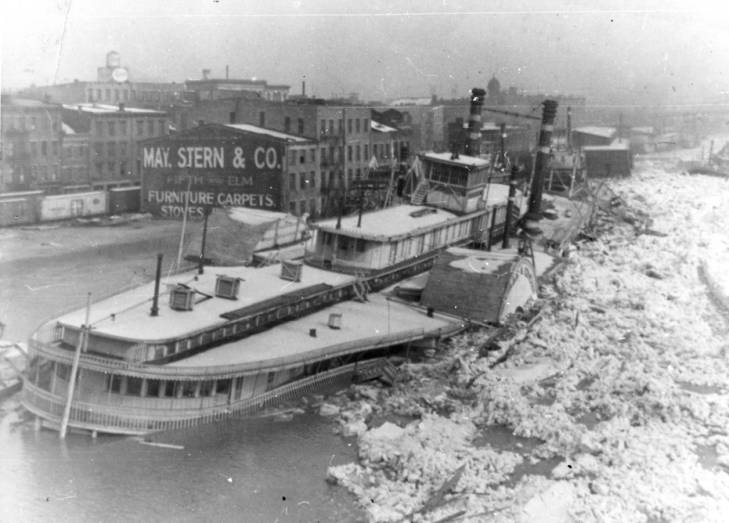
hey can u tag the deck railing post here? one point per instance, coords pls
(83, 339)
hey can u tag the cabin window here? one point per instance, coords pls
(343, 243)
(63, 371)
(153, 388)
(327, 238)
(206, 387)
(238, 387)
(134, 386)
(169, 389)
(188, 389)
(115, 384)
(269, 379)
(360, 245)
(223, 387)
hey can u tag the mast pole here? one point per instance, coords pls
(82, 342)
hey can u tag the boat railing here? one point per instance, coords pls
(140, 420)
(222, 371)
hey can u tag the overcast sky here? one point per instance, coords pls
(611, 52)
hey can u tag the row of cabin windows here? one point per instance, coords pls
(447, 174)
(354, 125)
(344, 243)
(131, 386)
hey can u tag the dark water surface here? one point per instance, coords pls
(256, 470)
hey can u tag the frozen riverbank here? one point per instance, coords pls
(612, 407)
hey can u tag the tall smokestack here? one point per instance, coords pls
(541, 165)
(569, 128)
(473, 140)
(303, 88)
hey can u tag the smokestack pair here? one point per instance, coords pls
(473, 141)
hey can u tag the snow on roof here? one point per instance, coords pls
(131, 308)
(361, 323)
(269, 132)
(382, 128)
(255, 216)
(605, 132)
(67, 129)
(463, 160)
(388, 222)
(108, 109)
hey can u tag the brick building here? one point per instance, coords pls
(114, 131)
(75, 157)
(31, 144)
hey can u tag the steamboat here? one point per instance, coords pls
(221, 341)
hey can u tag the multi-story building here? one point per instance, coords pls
(31, 144)
(75, 157)
(217, 88)
(113, 133)
(113, 85)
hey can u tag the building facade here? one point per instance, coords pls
(114, 132)
(31, 144)
(238, 165)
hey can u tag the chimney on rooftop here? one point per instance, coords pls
(473, 141)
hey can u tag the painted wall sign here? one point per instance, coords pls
(241, 172)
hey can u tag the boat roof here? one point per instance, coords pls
(461, 161)
(363, 325)
(595, 130)
(131, 309)
(388, 223)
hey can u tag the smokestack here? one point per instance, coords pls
(473, 141)
(541, 165)
(569, 128)
(303, 88)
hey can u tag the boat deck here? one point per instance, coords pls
(127, 315)
(374, 323)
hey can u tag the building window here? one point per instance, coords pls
(262, 119)
(140, 128)
(366, 152)
(292, 181)
(365, 125)
(287, 124)
(150, 127)
(123, 149)
(111, 149)
(312, 179)
(302, 157)
(322, 127)
(162, 128)
(107, 95)
(123, 127)
(303, 179)
(323, 155)
(349, 126)
(301, 126)
(312, 155)
(349, 152)
(356, 124)
(98, 94)
(358, 173)
(357, 151)
(331, 126)
(292, 207)
(112, 128)
(44, 148)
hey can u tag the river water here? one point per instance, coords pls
(257, 470)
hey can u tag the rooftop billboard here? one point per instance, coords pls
(192, 172)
